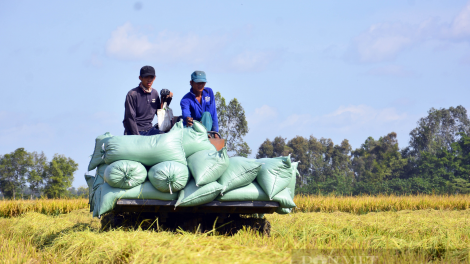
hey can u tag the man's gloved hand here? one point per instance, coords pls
(165, 93)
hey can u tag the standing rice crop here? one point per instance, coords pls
(13, 208)
(380, 203)
(420, 236)
(305, 203)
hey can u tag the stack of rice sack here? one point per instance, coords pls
(183, 165)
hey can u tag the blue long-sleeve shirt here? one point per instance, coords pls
(191, 107)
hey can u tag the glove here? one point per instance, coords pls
(164, 93)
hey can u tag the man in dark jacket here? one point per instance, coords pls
(142, 104)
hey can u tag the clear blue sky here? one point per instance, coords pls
(334, 69)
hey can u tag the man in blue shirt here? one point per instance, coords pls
(199, 104)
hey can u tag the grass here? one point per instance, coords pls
(441, 235)
(422, 228)
(305, 203)
(13, 208)
(381, 203)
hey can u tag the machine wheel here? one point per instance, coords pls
(228, 225)
(116, 220)
(260, 225)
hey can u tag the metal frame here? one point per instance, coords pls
(241, 207)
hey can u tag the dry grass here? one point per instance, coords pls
(423, 228)
(13, 208)
(305, 203)
(75, 238)
(366, 204)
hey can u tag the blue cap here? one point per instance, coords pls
(198, 76)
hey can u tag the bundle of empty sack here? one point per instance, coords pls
(183, 165)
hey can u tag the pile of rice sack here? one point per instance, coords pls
(183, 165)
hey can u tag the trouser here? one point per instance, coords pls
(206, 120)
(150, 132)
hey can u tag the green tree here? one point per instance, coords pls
(265, 150)
(460, 185)
(331, 165)
(461, 150)
(446, 170)
(3, 182)
(299, 152)
(232, 125)
(322, 164)
(59, 176)
(83, 192)
(378, 160)
(37, 173)
(438, 130)
(72, 192)
(437, 169)
(14, 168)
(280, 147)
(318, 167)
(275, 148)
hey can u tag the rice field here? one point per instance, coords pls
(384, 203)
(413, 229)
(305, 203)
(13, 208)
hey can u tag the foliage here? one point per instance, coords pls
(276, 148)
(232, 125)
(436, 161)
(322, 164)
(59, 176)
(37, 173)
(439, 130)
(81, 192)
(22, 172)
(378, 160)
(13, 170)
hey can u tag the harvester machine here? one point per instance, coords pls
(220, 217)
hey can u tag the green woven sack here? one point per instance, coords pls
(194, 138)
(98, 181)
(240, 172)
(291, 188)
(253, 192)
(97, 156)
(207, 166)
(148, 150)
(169, 176)
(192, 195)
(295, 172)
(89, 181)
(125, 174)
(284, 210)
(109, 196)
(275, 174)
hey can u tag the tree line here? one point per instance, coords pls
(436, 160)
(24, 173)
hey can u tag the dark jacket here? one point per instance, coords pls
(140, 109)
